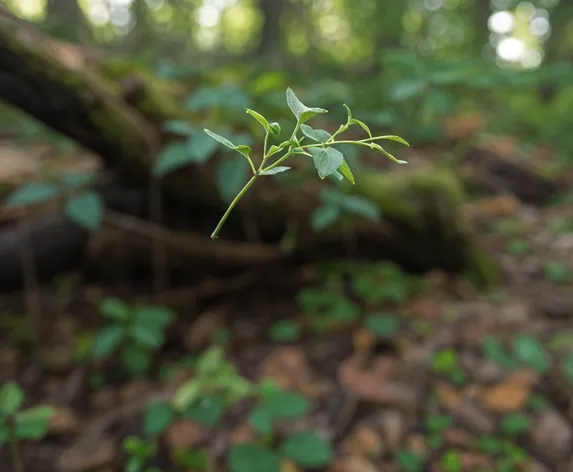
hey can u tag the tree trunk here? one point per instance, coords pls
(423, 224)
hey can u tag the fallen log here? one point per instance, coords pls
(422, 224)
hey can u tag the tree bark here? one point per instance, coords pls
(423, 224)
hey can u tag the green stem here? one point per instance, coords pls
(278, 162)
(16, 457)
(232, 205)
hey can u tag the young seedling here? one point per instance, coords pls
(327, 160)
(139, 453)
(139, 331)
(17, 424)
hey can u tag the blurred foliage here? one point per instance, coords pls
(403, 66)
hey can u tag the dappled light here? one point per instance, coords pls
(286, 235)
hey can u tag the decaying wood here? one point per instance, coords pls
(422, 218)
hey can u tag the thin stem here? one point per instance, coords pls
(264, 150)
(16, 457)
(251, 164)
(232, 205)
(279, 161)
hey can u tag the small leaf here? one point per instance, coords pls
(409, 461)
(158, 417)
(34, 192)
(179, 127)
(244, 150)
(230, 176)
(11, 398)
(136, 359)
(107, 340)
(324, 216)
(275, 128)
(149, 337)
(220, 139)
(364, 126)
(200, 148)
(386, 153)
(302, 112)
(531, 352)
(186, 394)
(318, 135)
(285, 404)
(515, 423)
(285, 330)
(398, 139)
(307, 449)
(261, 119)
(86, 210)
(360, 206)
(382, 325)
(451, 461)
(326, 160)
(156, 317)
(33, 423)
(172, 157)
(348, 111)
(275, 170)
(207, 411)
(345, 171)
(261, 420)
(114, 309)
(407, 89)
(253, 457)
(445, 361)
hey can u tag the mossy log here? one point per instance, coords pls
(423, 225)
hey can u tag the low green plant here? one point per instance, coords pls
(557, 272)
(447, 362)
(17, 424)
(385, 282)
(285, 331)
(328, 160)
(326, 306)
(137, 332)
(409, 461)
(139, 452)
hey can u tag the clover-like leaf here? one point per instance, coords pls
(326, 160)
(318, 135)
(275, 170)
(301, 111)
(261, 119)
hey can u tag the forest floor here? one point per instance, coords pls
(402, 372)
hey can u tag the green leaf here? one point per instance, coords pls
(307, 449)
(324, 216)
(302, 112)
(253, 457)
(201, 148)
(407, 89)
(172, 157)
(386, 153)
(318, 135)
(211, 360)
(451, 461)
(515, 423)
(285, 330)
(33, 423)
(136, 359)
(261, 119)
(364, 126)
(360, 206)
(397, 139)
(147, 336)
(531, 352)
(275, 128)
(326, 160)
(187, 394)
(11, 398)
(489, 445)
(348, 111)
(494, 350)
(275, 170)
(244, 150)
(157, 317)
(345, 171)
(220, 139)
(230, 176)
(157, 418)
(207, 411)
(34, 192)
(437, 423)
(285, 404)
(445, 361)
(115, 309)
(409, 461)
(382, 325)
(77, 179)
(107, 340)
(179, 127)
(86, 210)
(261, 420)
(134, 446)
(557, 271)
